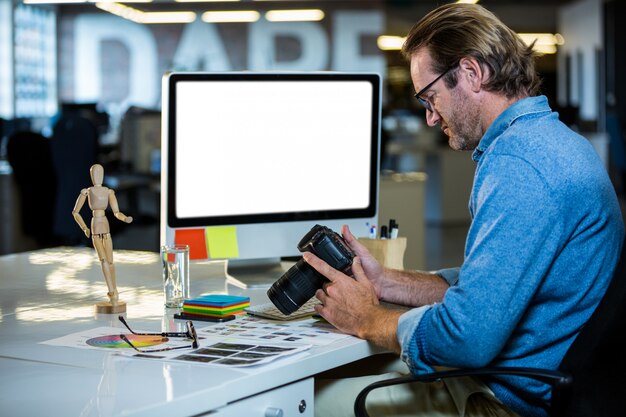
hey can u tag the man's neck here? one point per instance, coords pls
(493, 104)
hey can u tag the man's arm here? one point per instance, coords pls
(410, 288)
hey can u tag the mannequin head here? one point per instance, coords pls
(97, 174)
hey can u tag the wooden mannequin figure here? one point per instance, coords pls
(99, 197)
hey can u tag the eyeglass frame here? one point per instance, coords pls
(190, 334)
(186, 334)
(425, 102)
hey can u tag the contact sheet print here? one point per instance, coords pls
(239, 354)
(308, 331)
(252, 340)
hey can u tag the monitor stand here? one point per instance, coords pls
(255, 273)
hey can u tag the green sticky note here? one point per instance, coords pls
(222, 242)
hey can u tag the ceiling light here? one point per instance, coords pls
(542, 38)
(139, 16)
(467, 1)
(545, 49)
(545, 43)
(390, 43)
(303, 15)
(231, 16)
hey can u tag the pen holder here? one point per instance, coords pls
(389, 252)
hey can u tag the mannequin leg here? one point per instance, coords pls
(109, 277)
(108, 251)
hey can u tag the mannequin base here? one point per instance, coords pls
(106, 307)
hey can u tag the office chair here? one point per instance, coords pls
(30, 158)
(591, 379)
(74, 146)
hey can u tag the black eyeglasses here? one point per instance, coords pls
(189, 334)
(425, 102)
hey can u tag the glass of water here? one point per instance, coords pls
(175, 266)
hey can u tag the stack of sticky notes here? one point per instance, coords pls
(215, 305)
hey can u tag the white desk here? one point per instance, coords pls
(47, 294)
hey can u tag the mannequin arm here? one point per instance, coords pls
(116, 209)
(80, 201)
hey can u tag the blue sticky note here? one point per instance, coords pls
(218, 300)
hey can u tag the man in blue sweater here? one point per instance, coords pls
(544, 241)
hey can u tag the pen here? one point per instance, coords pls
(394, 230)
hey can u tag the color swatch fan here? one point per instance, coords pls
(215, 305)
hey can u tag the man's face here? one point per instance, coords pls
(454, 109)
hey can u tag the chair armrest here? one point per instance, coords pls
(553, 378)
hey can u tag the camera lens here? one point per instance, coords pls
(295, 287)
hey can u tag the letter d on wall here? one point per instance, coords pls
(90, 31)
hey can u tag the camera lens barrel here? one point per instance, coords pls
(295, 287)
(300, 282)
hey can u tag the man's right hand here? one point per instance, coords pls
(373, 270)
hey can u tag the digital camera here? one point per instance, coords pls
(300, 282)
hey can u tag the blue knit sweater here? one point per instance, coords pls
(544, 241)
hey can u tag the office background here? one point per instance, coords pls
(86, 78)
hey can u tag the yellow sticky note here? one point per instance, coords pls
(222, 242)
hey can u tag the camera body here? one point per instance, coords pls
(300, 282)
(328, 246)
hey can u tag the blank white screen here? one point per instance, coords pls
(259, 147)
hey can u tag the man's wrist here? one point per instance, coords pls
(381, 326)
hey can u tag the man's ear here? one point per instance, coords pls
(473, 72)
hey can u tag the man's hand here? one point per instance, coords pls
(373, 270)
(408, 288)
(351, 305)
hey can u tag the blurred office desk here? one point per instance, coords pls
(50, 293)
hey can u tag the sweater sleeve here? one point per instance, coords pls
(408, 337)
(512, 241)
(450, 275)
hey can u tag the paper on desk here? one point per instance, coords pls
(224, 352)
(260, 330)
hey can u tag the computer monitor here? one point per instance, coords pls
(265, 157)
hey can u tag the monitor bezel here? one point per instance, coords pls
(181, 222)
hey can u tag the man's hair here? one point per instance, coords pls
(456, 30)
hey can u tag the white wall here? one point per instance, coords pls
(581, 25)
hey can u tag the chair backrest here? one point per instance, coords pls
(597, 358)
(30, 157)
(74, 146)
